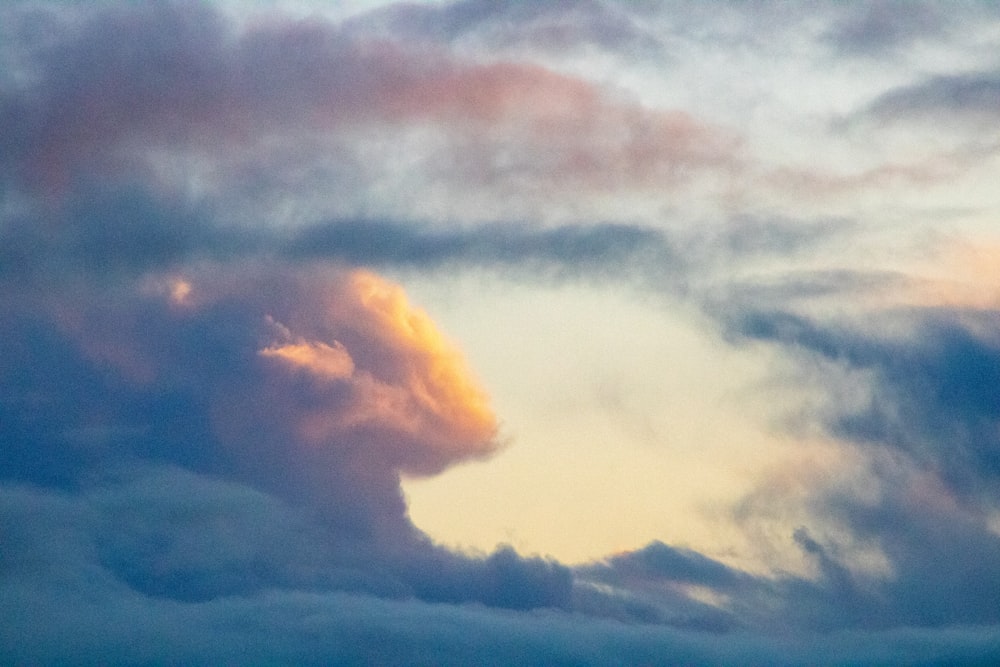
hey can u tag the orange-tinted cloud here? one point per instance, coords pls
(325, 361)
(323, 385)
(402, 387)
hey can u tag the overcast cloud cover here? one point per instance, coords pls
(217, 393)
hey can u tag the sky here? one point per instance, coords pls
(499, 332)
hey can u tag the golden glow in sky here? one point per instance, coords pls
(614, 433)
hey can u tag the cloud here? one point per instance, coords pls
(934, 389)
(291, 396)
(113, 234)
(69, 564)
(292, 399)
(566, 26)
(923, 416)
(964, 96)
(88, 106)
(395, 373)
(577, 250)
(117, 235)
(319, 385)
(661, 560)
(874, 28)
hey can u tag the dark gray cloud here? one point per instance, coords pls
(110, 235)
(656, 581)
(676, 564)
(569, 250)
(944, 558)
(114, 234)
(164, 532)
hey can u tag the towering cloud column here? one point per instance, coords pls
(321, 385)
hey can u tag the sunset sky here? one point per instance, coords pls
(499, 332)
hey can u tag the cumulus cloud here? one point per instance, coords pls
(315, 369)
(293, 400)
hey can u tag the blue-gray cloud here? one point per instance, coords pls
(929, 423)
(959, 97)
(879, 27)
(65, 598)
(118, 235)
(934, 391)
(557, 27)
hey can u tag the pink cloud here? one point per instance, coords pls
(176, 78)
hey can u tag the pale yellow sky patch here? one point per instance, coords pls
(627, 421)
